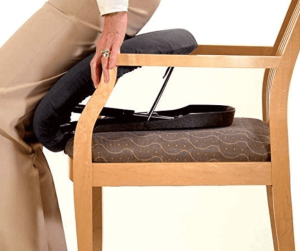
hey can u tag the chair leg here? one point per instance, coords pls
(84, 218)
(97, 218)
(280, 209)
(272, 219)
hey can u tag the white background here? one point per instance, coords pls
(188, 218)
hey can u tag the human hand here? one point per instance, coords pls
(112, 37)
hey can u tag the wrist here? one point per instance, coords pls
(113, 14)
(116, 21)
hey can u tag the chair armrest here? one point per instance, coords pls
(217, 61)
(84, 129)
(87, 120)
(233, 50)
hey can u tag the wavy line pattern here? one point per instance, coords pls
(174, 154)
(185, 146)
(245, 140)
(205, 132)
(204, 137)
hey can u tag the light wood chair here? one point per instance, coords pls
(279, 61)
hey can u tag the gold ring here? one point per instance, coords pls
(105, 53)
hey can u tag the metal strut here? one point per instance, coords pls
(168, 74)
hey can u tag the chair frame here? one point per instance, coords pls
(279, 62)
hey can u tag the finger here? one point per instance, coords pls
(97, 75)
(93, 75)
(95, 69)
(104, 62)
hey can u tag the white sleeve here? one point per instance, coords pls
(111, 6)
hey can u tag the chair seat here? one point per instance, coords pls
(246, 139)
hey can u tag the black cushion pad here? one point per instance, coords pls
(56, 107)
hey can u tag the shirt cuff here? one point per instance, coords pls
(109, 6)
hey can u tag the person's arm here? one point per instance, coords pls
(115, 24)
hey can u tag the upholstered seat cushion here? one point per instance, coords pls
(246, 139)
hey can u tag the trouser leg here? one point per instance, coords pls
(29, 212)
(34, 58)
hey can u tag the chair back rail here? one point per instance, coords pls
(289, 26)
(277, 88)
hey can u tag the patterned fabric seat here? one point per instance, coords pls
(246, 139)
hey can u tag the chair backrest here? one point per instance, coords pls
(286, 45)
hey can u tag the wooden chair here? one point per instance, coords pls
(279, 61)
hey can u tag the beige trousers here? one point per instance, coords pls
(56, 37)
(33, 59)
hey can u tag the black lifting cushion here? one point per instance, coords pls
(56, 107)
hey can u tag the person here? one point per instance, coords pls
(54, 39)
